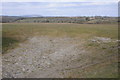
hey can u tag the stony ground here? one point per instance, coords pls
(48, 57)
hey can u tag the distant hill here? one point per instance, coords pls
(32, 16)
(8, 19)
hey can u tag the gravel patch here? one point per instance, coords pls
(52, 57)
(41, 57)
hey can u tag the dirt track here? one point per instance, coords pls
(47, 57)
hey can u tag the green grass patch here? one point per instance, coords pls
(8, 43)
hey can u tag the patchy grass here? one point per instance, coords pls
(16, 32)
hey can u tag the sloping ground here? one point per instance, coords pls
(48, 57)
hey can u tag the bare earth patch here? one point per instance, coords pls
(48, 57)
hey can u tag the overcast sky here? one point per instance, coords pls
(59, 0)
(61, 8)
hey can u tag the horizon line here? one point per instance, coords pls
(57, 16)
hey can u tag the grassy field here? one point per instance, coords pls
(93, 35)
(17, 32)
(72, 30)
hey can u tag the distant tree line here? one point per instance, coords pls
(79, 20)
